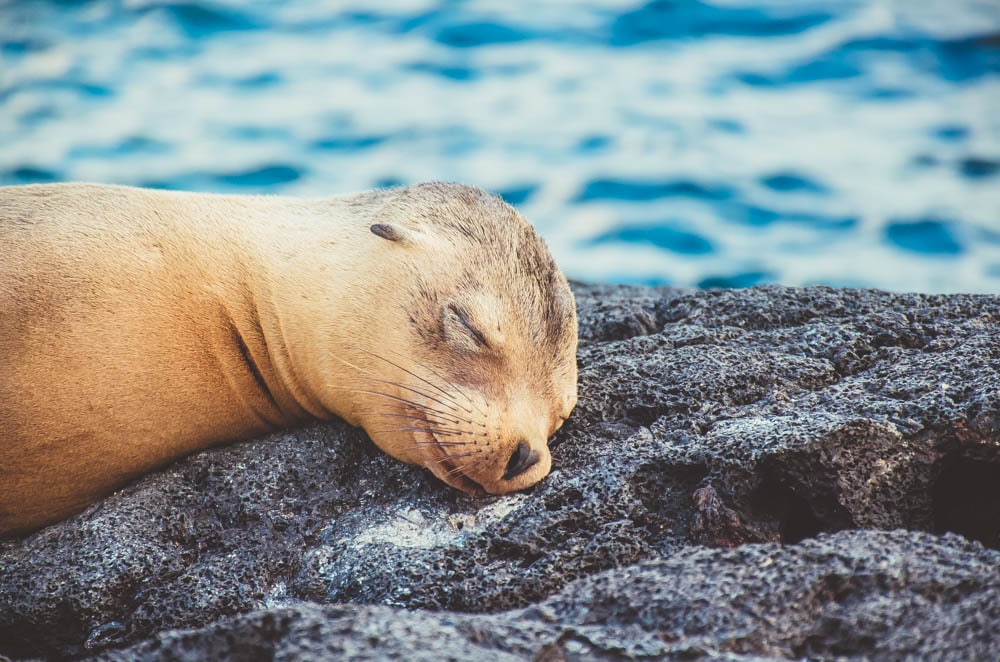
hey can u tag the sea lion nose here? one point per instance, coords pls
(523, 459)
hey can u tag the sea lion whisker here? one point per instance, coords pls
(461, 470)
(478, 463)
(426, 395)
(452, 421)
(386, 381)
(426, 381)
(462, 391)
(454, 456)
(448, 431)
(449, 411)
(455, 471)
(424, 429)
(391, 397)
(409, 372)
(451, 383)
(413, 403)
(455, 386)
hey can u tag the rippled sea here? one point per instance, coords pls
(681, 142)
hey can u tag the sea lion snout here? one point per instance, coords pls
(523, 459)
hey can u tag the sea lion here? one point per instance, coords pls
(137, 326)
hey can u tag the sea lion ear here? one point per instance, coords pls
(392, 233)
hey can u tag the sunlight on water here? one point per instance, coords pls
(682, 142)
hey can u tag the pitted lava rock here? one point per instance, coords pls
(773, 472)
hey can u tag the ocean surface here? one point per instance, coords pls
(717, 144)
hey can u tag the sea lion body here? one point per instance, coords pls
(137, 326)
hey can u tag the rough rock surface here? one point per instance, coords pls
(732, 485)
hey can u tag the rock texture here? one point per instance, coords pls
(763, 473)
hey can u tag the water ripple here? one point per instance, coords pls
(668, 19)
(479, 33)
(645, 190)
(203, 19)
(975, 167)
(927, 236)
(262, 177)
(666, 237)
(791, 182)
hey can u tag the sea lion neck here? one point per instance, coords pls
(276, 337)
(259, 350)
(307, 335)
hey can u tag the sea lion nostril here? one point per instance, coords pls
(523, 459)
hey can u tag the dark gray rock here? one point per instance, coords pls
(708, 421)
(852, 593)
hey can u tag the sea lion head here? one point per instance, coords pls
(470, 365)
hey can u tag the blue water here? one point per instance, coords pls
(683, 142)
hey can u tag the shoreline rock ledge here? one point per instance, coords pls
(767, 473)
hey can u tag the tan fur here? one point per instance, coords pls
(132, 323)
